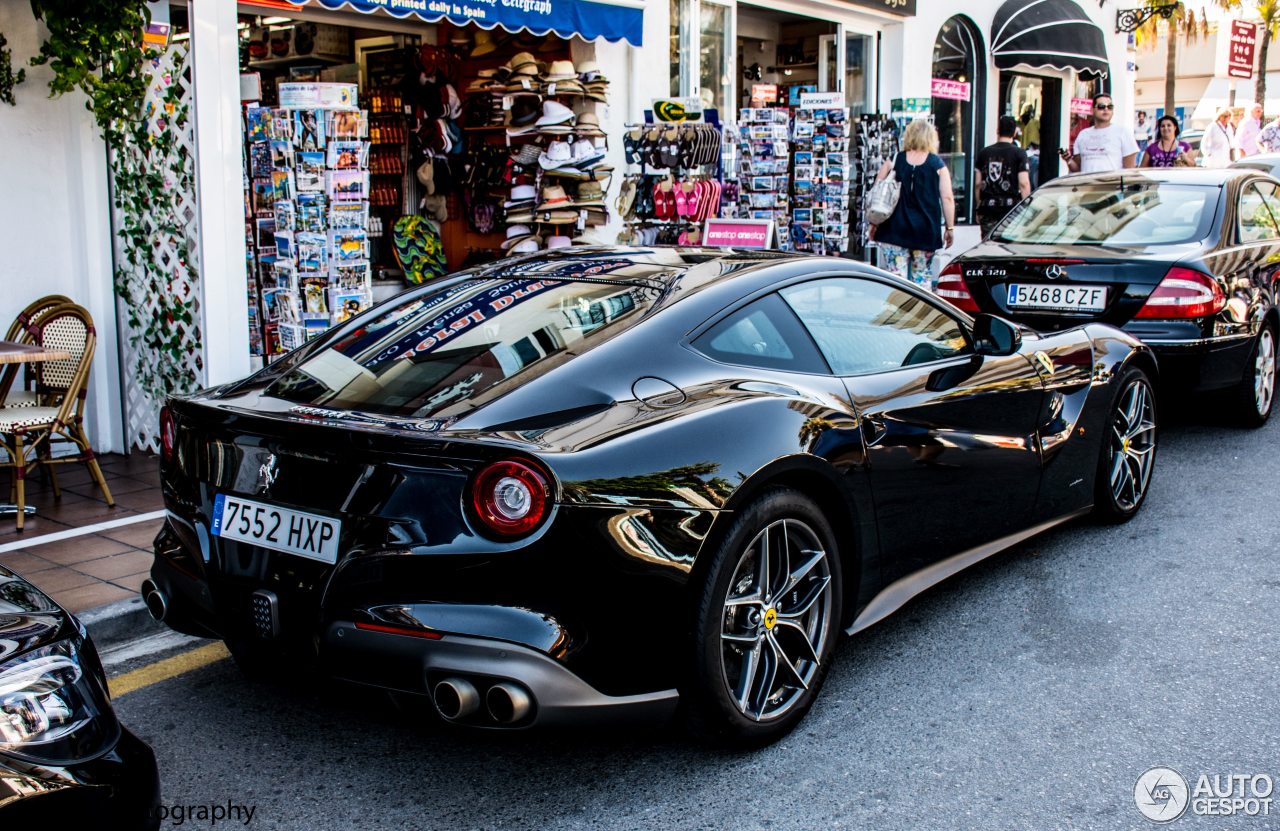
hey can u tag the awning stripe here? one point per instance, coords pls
(1053, 33)
(587, 19)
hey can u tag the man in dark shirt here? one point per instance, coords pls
(1001, 176)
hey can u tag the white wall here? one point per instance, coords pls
(54, 219)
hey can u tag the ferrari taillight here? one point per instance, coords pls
(1184, 293)
(952, 287)
(168, 434)
(510, 498)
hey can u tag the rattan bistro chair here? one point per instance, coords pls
(19, 333)
(62, 386)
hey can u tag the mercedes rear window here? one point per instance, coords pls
(1137, 213)
(434, 354)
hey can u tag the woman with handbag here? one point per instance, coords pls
(910, 236)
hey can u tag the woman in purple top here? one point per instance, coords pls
(1167, 150)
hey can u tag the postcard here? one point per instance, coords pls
(348, 155)
(266, 232)
(343, 215)
(348, 185)
(281, 186)
(348, 245)
(348, 124)
(308, 129)
(281, 155)
(804, 157)
(281, 125)
(312, 251)
(257, 123)
(284, 216)
(315, 295)
(311, 170)
(350, 276)
(348, 304)
(260, 158)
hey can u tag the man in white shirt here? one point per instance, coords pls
(1247, 132)
(1104, 146)
(1219, 141)
(1142, 131)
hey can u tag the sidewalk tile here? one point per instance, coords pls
(78, 549)
(132, 582)
(109, 568)
(90, 596)
(58, 579)
(23, 562)
(139, 535)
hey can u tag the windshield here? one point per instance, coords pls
(427, 356)
(1142, 213)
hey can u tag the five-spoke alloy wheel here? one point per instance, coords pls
(1255, 395)
(1128, 449)
(768, 621)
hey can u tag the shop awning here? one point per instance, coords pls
(1053, 33)
(589, 19)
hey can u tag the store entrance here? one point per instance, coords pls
(1036, 102)
(793, 53)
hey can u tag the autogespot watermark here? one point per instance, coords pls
(1163, 794)
(210, 814)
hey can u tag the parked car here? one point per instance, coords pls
(1193, 138)
(1268, 163)
(65, 761)
(1186, 260)
(590, 484)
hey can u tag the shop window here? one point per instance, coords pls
(958, 62)
(713, 72)
(859, 55)
(679, 10)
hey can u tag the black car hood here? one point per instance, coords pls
(28, 618)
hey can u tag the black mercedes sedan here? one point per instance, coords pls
(1186, 260)
(65, 761)
(600, 482)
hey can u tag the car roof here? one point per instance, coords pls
(1157, 175)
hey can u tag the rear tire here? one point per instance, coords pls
(1255, 394)
(766, 623)
(1127, 456)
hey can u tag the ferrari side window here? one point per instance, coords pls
(865, 326)
(764, 334)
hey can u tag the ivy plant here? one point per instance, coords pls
(8, 78)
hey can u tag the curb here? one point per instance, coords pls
(119, 623)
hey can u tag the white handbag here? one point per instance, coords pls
(882, 199)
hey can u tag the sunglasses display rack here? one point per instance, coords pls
(307, 199)
(673, 184)
(764, 168)
(874, 140)
(820, 180)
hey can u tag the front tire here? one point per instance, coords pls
(1255, 395)
(766, 623)
(1128, 453)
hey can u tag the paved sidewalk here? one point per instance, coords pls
(94, 569)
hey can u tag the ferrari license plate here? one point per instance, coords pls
(280, 529)
(1058, 298)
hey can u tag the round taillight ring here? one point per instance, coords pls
(510, 498)
(168, 434)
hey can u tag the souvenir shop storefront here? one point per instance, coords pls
(381, 144)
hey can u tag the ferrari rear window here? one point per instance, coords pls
(437, 354)
(1139, 213)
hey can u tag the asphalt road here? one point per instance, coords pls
(1030, 692)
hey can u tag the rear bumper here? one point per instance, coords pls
(1201, 364)
(560, 698)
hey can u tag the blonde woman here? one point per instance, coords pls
(910, 237)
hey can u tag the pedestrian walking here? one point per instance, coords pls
(1104, 146)
(914, 232)
(1248, 130)
(1142, 131)
(1219, 142)
(1002, 175)
(1269, 138)
(1168, 150)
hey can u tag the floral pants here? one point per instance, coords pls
(908, 263)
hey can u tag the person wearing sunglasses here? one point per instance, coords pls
(1104, 146)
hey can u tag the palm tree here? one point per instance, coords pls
(1182, 21)
(1269, 11)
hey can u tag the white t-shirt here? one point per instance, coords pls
(1142, 130)
(1101, 150)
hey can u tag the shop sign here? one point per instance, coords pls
(951, 90)
(822, 100)
(318, 96)
(903, 8)
(688, 108)
(910, 107)
(1236, 50)
(1082, 106)
(738, 233)
(764, 93)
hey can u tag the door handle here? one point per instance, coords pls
(873, 429)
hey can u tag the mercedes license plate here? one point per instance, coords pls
(1059, 298)
(280, 529)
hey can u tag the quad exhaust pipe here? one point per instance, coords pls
(507, 702)
(458, 699)
(156, 602)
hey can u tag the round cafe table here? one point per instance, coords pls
(25, 353)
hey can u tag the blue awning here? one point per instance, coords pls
(588, 19)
